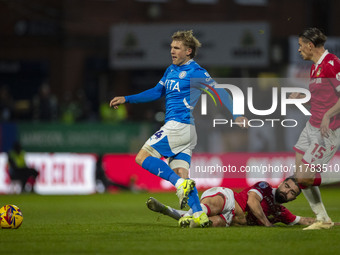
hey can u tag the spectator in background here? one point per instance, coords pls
(18, 170)
(45, 104)
(68, 109)
(84, 106)
(109, 116)
(76, 108)
(6, 104)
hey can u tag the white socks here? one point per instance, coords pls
(313, 196)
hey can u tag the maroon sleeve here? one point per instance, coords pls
(285, 216)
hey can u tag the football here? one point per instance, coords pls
(10, 216)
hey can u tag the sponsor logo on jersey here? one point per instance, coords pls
(172, 85)
(338, 76)
(182, 74)
(331, 62)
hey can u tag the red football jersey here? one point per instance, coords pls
(324, 87)
(274, 212)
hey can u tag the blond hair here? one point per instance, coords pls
(188, 39)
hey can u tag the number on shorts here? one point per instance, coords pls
(318, 151)
(158, 134)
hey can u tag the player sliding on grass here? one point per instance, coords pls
(177, 138)
(259, 204)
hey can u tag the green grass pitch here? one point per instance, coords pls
(121, 224)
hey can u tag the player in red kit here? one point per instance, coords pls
(259, 204)
(320, 138)
(262, 203)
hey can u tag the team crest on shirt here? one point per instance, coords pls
(338, 76)
(182, 74)
(263, 185)
(318, 72)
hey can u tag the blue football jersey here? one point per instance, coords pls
(181, 98)
(181, 95)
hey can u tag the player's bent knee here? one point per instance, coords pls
(140, 159)
(141, 156)
(215, 203)
(182, 172)
(150, 151)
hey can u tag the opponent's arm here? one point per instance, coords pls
(228, 102)
(296, 95)
(306, 221)
(309, 221)
(146, 96)
(254, 204)
(225, 97)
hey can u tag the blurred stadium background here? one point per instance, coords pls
(61, 61)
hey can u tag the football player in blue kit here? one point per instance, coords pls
(177, 138)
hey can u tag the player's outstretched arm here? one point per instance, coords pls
(298, 95)
(242, 122)
(306, 221)
(227, 100)
(116, 101)
(310, 221)
(254, 204)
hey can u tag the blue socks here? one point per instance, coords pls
(158, 167)
(194, 201)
